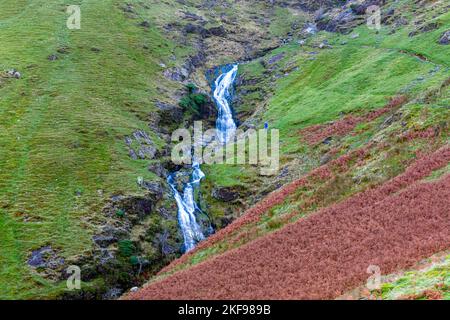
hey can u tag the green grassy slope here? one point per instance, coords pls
(62, 126)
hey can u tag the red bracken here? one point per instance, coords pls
(317, 133)
(322, 256)
(438, 159)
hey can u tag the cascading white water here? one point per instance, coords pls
(187, 206)
(226, 128)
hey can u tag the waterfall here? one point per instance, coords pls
(225, 125)
(187, 207)
(226, 128)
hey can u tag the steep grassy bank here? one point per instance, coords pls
(62, 127)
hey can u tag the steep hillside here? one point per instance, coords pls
(86, 118)
(85, 122)
(63, 125)
(361, 107)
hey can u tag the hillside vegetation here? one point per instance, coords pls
(85, 146)
(362, 108)
(68, 167)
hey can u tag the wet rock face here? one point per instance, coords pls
(182, 177)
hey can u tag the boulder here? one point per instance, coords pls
(361, 9)
(154, 188)
(52, 57)
(140, 146)
(195, 29)
(338, 23)
(217, 31)
(325, 159)
(14, 73)
(276, 58)
(192, 16)
(47, 262)
(145, 24)
(176, 74)
(63, 50)
(191, 28)
(445, 38)
(147, 152)
(112, 294)
(132, 154)
(135, 205)
(104, 258)
(158, 169)
(225, 194)
(325, 45)
(424, 28)
(196, 61)
(327, 140)
(104, 241)
(108, 235)
(310, 29)
(128, 8)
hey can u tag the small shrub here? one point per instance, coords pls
(120, 213)
(193, 101)
(191, 88)
(126, 248)
(134, 260)
(199, 99)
